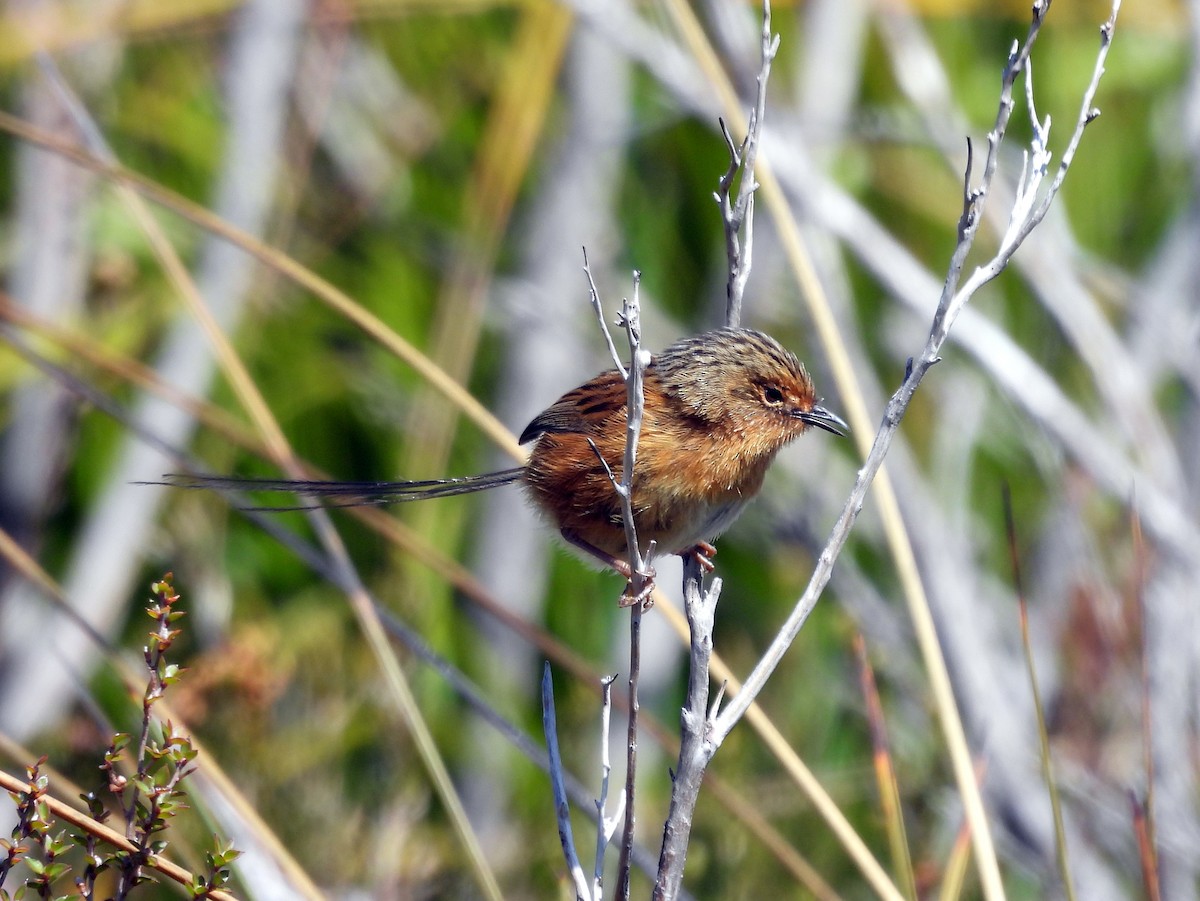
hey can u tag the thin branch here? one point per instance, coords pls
(737, 217)
(630, 319)
(641, 576)
(594, 296)
(1088, 113)
(696, 748)
(562, 808)
(606, 825)
(631, 747)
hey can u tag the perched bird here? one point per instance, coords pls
(718, 407)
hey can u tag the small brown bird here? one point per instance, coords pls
(718, 407)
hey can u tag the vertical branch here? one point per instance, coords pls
(598, 307)
(641, 578)
(953, 300)
(635, 666)
(737, 216)
(696, 747)
(562, 808)
(605, 825)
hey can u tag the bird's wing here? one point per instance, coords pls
(582, 411)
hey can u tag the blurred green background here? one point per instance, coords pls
(443, 164)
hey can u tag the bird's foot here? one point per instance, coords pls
(702, 552)
(644, 595)
(629, 597)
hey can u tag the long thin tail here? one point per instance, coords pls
(345, 494)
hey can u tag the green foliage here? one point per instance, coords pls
(147, 789)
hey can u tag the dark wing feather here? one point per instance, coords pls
(580, 411)
(562, 417)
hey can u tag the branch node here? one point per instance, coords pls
(715, 707)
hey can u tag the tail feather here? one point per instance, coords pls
(345, 494)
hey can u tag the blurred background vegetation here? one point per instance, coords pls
(442, 163)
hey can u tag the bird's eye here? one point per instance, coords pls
(772, 395)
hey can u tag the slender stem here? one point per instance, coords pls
(737, 216)
(562, 808)
(604, 825)
(695, 748)
(641, 578)
(635, 668)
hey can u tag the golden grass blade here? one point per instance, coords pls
(955, 875)
(885, 773)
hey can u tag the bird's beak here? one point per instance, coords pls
(823, 419)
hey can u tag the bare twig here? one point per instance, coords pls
(695, 748)
(641, 579)
(562, 809)
(605, 825)
(594, 296)
(737, 216)
(631, 748)
(700, 606)
(639, 562)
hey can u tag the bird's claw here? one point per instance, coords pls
(702, 553)
(643, 596)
